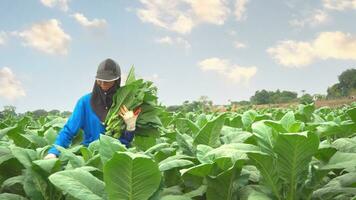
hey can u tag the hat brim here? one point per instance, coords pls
(107, 80)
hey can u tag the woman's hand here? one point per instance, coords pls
(129, 117)
(50, 156)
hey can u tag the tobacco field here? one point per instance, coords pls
(299, 153)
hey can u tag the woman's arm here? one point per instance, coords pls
(126, 138)
(70, 129)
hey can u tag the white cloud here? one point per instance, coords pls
(214, 64)
(174, 41)
(210, 11)
(233, 72)
(183, 24)
(316, 18)
(292, 54)
(47, 37)
(95, 23)
(183, 15)
(339, 4)
(10, 87)
(62, 4)
(336, 45)
(2, 37)
(239, 45)
(242, 74)
(240, 9)
(165, 40)
(319, 17)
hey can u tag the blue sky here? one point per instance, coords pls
(223, 49)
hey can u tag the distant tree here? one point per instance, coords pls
(66, 114)
(54, 112)
(334, 91)
(347, 80)
(268, 97)
(346, 85)
(8, 112)
(287, 96)
(260, 97)
(243, 103)
(173, 108)
(306, 99)
(39, 113)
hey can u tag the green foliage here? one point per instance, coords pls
(131, 176)
(134, 94)
(301, 153)
(306, 99)
(270, 97)
(346, 85)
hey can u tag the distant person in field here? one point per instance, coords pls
(90, 111)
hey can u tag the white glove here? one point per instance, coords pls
(129, 117)
(50, 156)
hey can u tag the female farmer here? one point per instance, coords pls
(91, 110)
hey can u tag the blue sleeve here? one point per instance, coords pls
(126, 138)
(70, 129)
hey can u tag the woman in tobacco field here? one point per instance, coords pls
(90, 111)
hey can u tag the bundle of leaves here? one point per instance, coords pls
(135, 94)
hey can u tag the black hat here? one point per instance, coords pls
(108, 70)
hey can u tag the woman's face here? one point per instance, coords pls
(105, 85)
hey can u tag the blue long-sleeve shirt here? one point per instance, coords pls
(83, 117)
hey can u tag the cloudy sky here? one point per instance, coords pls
(223, 49)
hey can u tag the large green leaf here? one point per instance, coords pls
(131, 76)
(185, 143)
(108, 146)
(49, 166)
(202, 150)
(225, 186)
(209, 134)
(294, 153)
(248, 118)
(25, 156)
(288, 120)
(198, 170)
(254, 192)
(186, 126)
(352, 114)
(234, 135)
(18, 138)
(171, 163)
(8, 196)
(34, 185)
(235, 121)
(233, 151)
(67, 154)
(13, 185)
(6, 130)
(267, 167)
(265, 136)
(347, 145)
(156, 148)
(344, 184)
(331, 128)
(342, 160)
(79, 184)
(316, 178)
(143, 143)
(131, 176)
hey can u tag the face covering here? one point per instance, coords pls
(101, 101)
